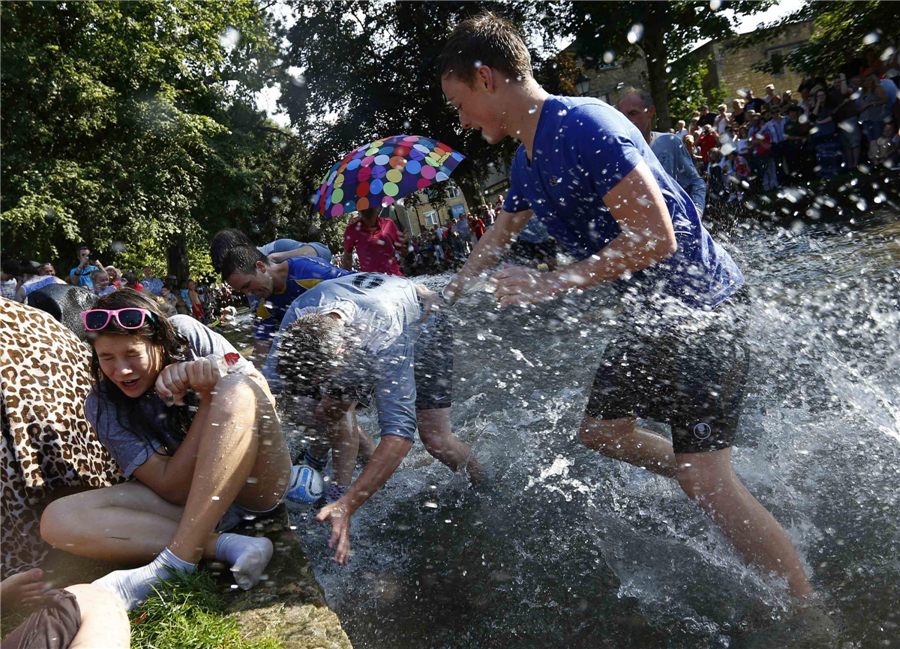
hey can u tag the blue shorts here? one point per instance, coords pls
(321, 249)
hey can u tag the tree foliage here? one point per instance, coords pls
(840, 29)
(133, 122)
(662, 31)
(365, 70)
(686, 84)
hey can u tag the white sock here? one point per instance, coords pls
(133, 586)
(248, 556)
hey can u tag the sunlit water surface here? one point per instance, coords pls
(571, 549)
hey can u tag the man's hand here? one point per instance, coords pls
(519, 285)
(338, 514)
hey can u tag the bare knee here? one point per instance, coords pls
(704, 475)
(604, 435)
(56, 527)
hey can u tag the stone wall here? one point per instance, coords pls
(733, 68)
(609, 83)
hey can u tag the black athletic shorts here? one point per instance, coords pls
(53, 626)
(691, 377)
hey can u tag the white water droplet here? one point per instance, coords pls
(608, 57)
(715, 4)
(532, 110)
(230, 38)
(871, 38)
(635, 33)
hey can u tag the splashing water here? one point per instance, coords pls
(569, 548)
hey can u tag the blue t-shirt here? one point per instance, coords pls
(303, 274)
(582, 149)
(84, 275)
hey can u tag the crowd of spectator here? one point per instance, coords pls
(200, 300)
(827, 127)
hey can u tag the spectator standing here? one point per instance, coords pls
(884, 149)
(194, 300)
(738, 114)
(708, 140)
(476, 228)
(376, 241)
(721, 121)
(770, 95)
(84, 268)
(707, 117)
(681, 130)
(753, 103)
(795, 139)
(873, 107)
(825, 138)
(638, 107)
(47, 269)
(152, 284)
(716, 192)
(774, 127)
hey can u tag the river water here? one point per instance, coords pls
(567, 548)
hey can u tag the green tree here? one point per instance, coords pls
(662, 31)
(686, 91)
(365, 70)
(840, 29)
(133, 122)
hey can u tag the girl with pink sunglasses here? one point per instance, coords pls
(195, 468)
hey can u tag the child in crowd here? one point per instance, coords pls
(102, 285)
(201, 464)
(736, 171)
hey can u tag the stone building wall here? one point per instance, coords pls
(609, 83)
(733, 68)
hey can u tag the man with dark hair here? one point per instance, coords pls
(669, 149)
(84, 268)
(592, 179)
(367, 331)
(706, 116)
(272, 287)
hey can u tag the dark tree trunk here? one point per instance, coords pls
(179, 265)
(654, 47)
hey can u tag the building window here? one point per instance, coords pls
(776, 60)
(453, 191)
(431, 218)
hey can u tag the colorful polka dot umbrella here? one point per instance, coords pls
(384, 171)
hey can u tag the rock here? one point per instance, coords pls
(288, 604)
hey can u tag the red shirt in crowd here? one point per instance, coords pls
(707, 141)
(476, 225)
(375, 247)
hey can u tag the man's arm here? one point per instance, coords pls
(488, 250)
(347, 261)
(647, 237)
(691, 181)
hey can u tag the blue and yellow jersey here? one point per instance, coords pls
(303, 274)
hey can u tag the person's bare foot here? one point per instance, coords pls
(22, 590)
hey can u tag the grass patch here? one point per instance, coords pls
(188, 613)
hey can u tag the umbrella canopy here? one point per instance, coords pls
(384, 171)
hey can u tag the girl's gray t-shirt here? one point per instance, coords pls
(126, 446)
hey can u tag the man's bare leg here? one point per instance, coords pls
(709, 480)
(439, 440)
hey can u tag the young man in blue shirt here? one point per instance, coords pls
(590, 177)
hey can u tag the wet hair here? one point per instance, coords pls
(242, 259)
(486, 39)
(224, 241)
(306, 346)
(646, 99)
(174, 347)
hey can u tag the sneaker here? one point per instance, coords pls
(307, 485)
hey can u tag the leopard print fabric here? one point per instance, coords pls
(47, 441)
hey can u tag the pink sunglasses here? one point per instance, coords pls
(128, 318)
